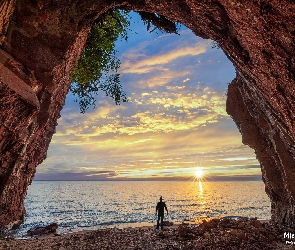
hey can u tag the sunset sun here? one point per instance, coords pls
(199, 173)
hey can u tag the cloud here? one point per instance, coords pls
(193, 98)
(148, 64)
(170, 112)
(83, 176)
(175, 88)
(238, 158)
(186, 80)
(161, 78)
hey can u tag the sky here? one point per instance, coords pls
(173, 124)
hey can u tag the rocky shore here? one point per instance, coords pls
(214, 234)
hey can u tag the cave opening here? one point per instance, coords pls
(175, 121)
(40, 44)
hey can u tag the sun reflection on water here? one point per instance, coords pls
(200, 187)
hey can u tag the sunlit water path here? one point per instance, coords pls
(78, 205)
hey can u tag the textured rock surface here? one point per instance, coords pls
(44, 38)
(6, 10)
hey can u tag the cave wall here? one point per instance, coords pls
(42, 39)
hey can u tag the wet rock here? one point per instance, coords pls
(39, 230)
(51, 228)
(36, 231)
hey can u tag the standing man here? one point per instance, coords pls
(160, 209)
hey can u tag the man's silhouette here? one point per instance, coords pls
(160, 209)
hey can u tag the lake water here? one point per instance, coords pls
(80, 205)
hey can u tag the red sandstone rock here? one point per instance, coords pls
(43, 40)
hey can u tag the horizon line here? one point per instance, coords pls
(184, 179)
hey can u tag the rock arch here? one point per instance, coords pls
(42, 39)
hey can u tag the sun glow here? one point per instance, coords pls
(199, 173)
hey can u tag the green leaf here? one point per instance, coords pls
(98, 66)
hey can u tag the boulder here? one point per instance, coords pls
(39, 230)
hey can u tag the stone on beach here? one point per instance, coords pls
(39, 230)
(267, 236)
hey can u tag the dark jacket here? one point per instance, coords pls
(160, 208)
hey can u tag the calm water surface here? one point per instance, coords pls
(78, 205)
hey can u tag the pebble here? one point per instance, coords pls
(214, 234)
